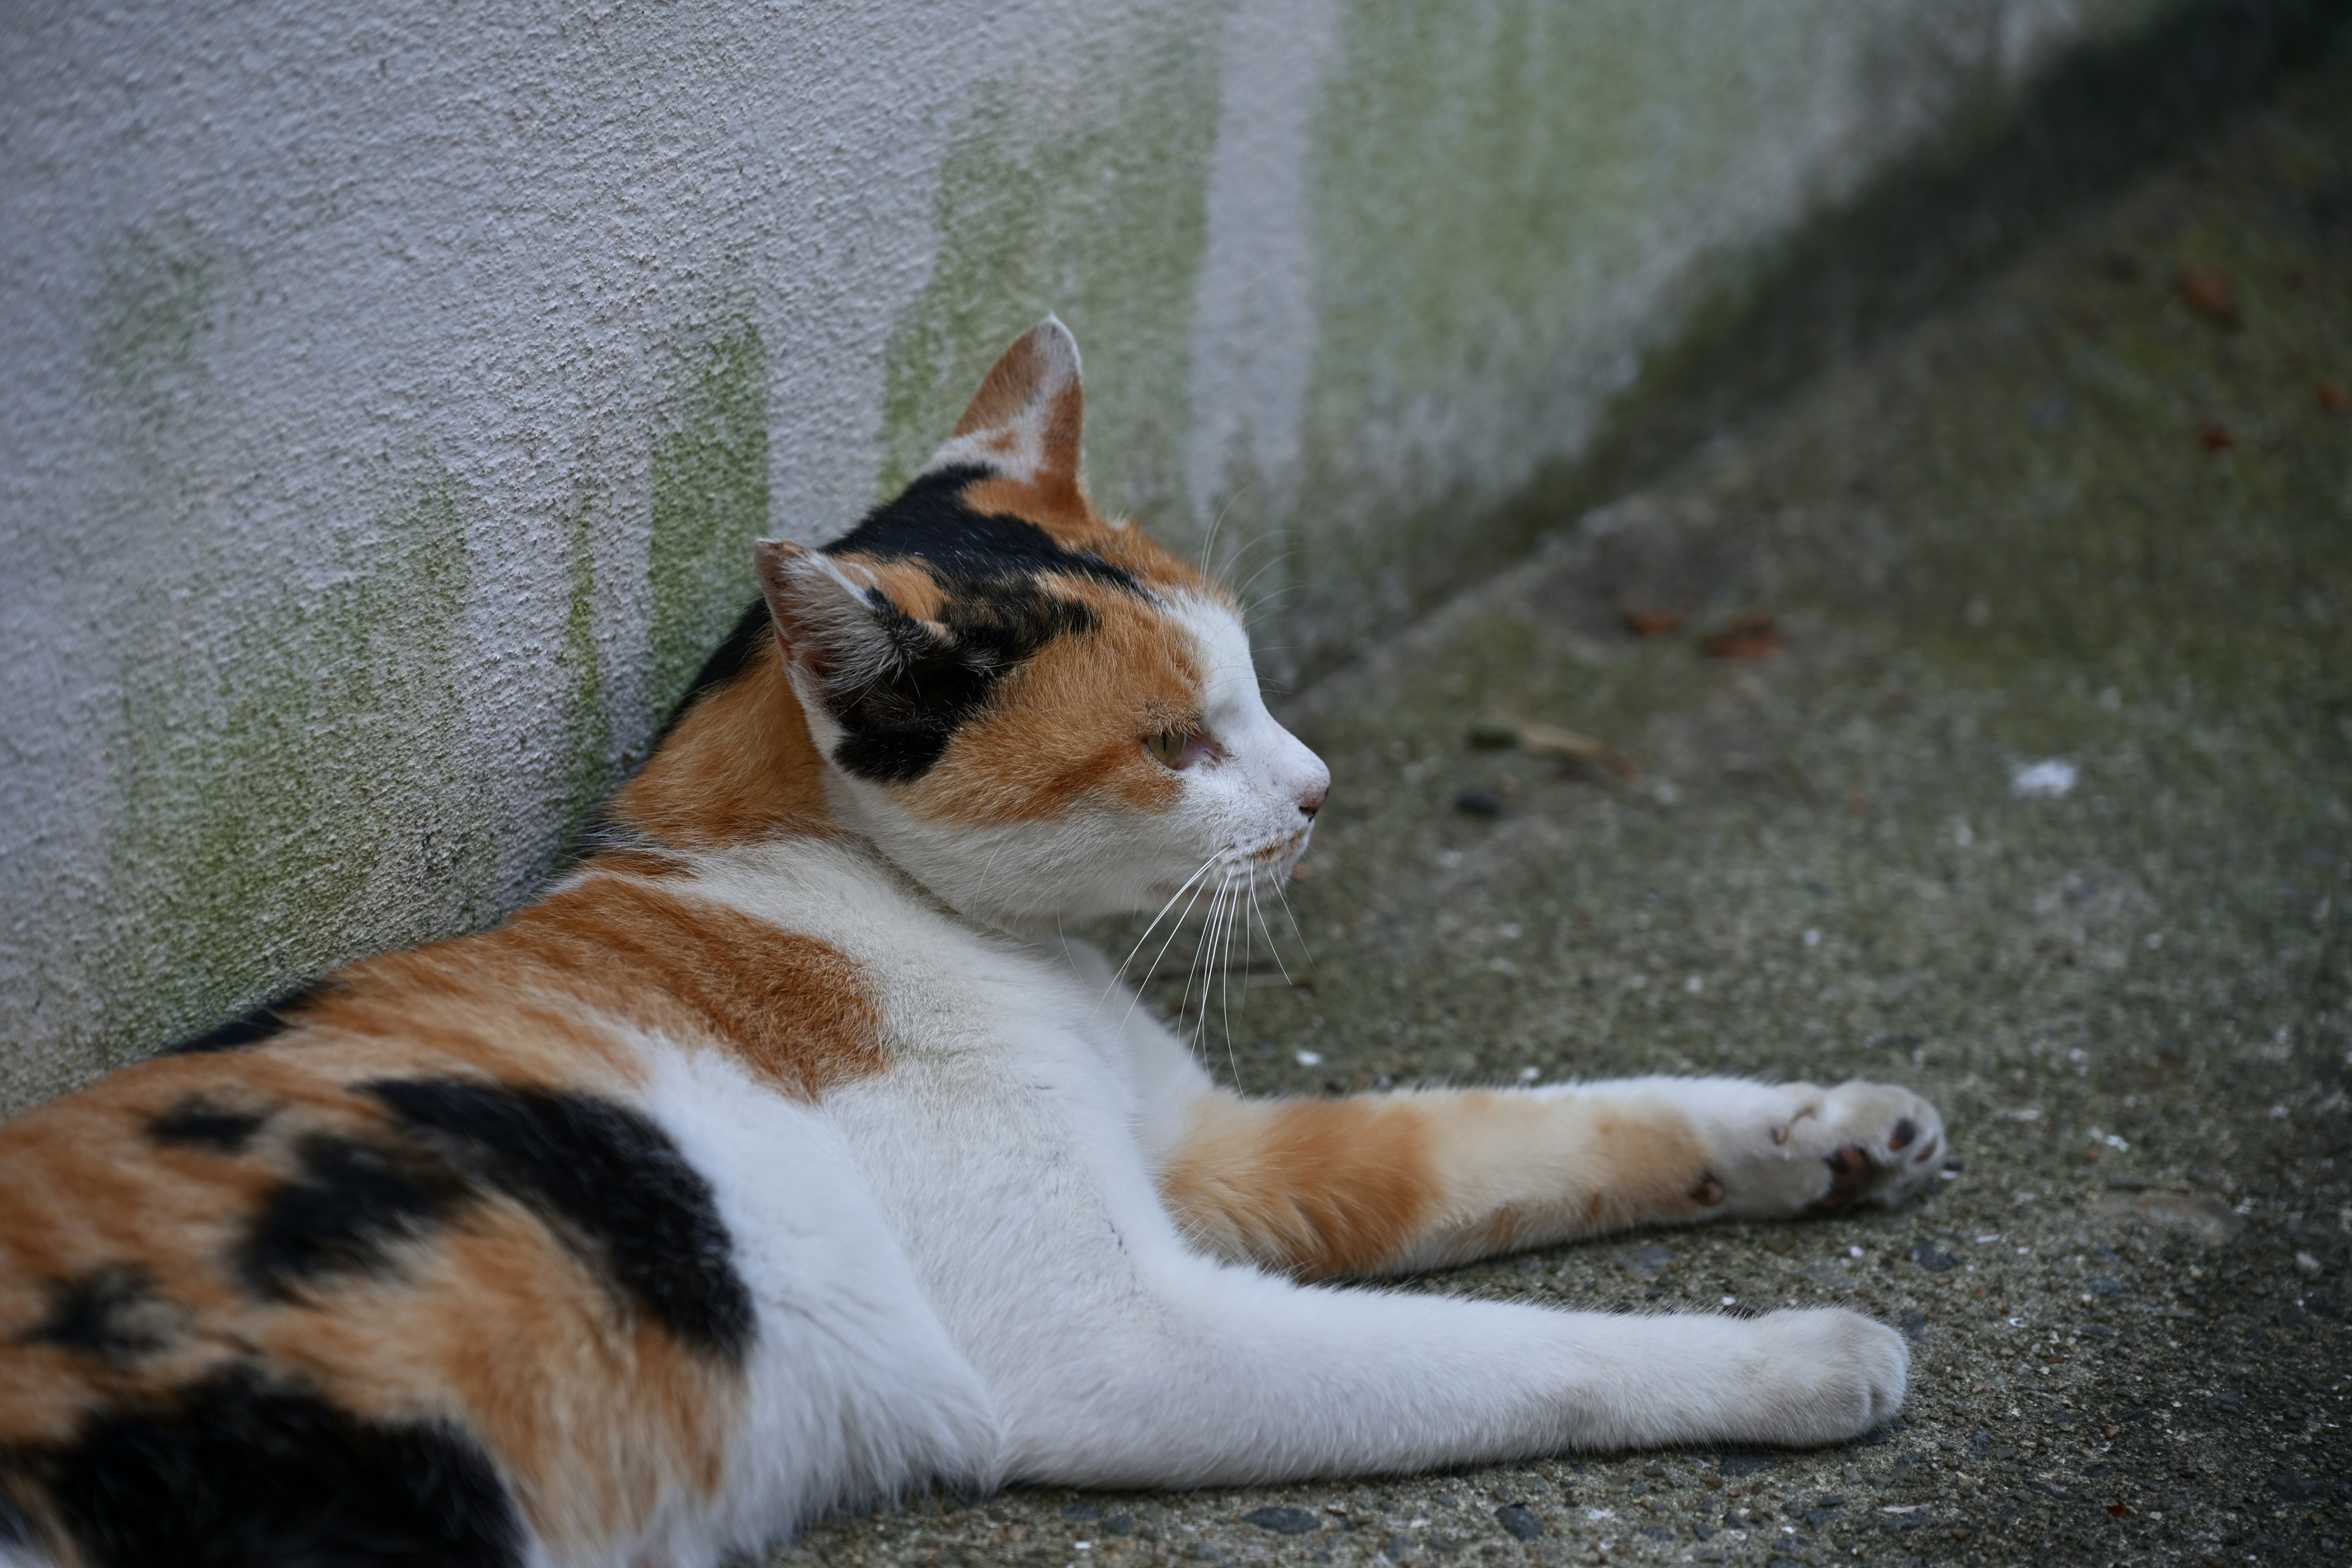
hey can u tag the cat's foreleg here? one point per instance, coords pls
(1391, 1183)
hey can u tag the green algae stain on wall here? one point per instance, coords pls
(158, 302)
(588, 756)
(1505, 196)
(710, 503)
(1087, 202)
(296, 791)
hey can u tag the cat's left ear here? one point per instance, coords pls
(1024, 423)
(838, 626)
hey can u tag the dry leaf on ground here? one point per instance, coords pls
(1744, 637)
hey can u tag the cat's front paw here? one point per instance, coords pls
(1803, 1150)
(1834, 1375)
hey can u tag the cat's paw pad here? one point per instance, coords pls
(1881, 1144)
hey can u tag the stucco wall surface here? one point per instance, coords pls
(393, 390)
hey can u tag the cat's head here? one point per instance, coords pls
(1037, 711)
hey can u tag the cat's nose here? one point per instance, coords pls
(1311, 802)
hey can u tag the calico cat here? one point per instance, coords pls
(782, 1156)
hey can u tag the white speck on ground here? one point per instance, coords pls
(2044, 780)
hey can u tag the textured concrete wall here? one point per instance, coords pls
(392, 389)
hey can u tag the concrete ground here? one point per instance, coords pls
(2035, 792)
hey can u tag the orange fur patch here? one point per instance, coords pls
(796, 1010)
(1521, 1171)
(1069, 725)
(1379, 1183)
(739, 766)
(1312, 1187)
(631, 862)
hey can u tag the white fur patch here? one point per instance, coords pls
(854, 1391)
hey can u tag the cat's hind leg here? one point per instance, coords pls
(1149, 1366)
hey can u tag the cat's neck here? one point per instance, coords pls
(738, 768)
(740, 771)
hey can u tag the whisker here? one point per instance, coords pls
(1272, 539)
(1224, 986)
(1135, 997)
(1202, 963)
(1239, 923)
(1271, 947)
(1270, 563)
(1121, 973)
(1209, 546)
(1239, 881)
(1295, 928)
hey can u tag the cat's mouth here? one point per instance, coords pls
(1270, 865)
(1254, 873)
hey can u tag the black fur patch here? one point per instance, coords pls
(350, 1201)
(234, 1471)
(997, 614)
(200, 1121)
(723, 666)
(929, 522)
(608, 1180)
(111, 1314)
(274, 1016)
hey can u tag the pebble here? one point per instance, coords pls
(1478, 802)
(1518, 1522)
(1648, 1262)
(1284, 1521)
(1492, 734)
(1933, 1258)
(2100, 1285)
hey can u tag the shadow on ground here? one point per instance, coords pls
(2034, 792)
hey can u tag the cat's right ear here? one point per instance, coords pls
(838, 626)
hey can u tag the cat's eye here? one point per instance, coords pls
(1179, 748)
